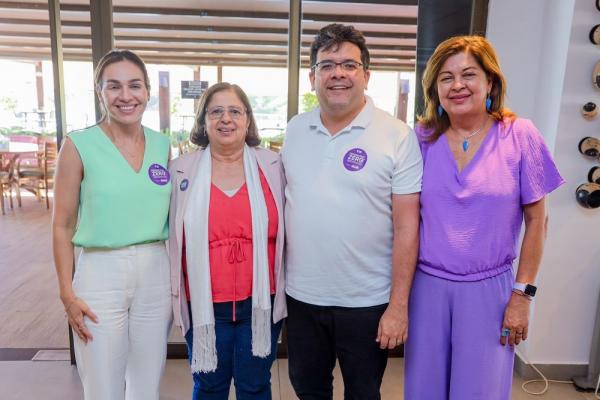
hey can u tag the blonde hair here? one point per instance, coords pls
(485, 55)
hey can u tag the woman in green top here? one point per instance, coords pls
(112, 192)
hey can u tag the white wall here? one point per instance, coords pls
(548, 60)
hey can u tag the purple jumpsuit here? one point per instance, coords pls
(470, 225)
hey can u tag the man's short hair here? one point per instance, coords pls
(333, 35)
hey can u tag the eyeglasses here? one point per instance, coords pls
(218, 112)
(329, 66)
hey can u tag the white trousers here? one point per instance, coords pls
(129, 290)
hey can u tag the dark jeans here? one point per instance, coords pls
(251, 375)
(318, 334)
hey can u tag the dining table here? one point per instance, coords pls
(14, 151)
(19, 147)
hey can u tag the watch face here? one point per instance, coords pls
(530, 290)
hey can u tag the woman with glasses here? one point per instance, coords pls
(226, 249)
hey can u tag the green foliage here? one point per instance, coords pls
(176, 137)
(267, 104)
(17, 130)
(175, 104)
(276, 140)
(309, 101)
(8, 103)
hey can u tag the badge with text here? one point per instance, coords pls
(158, 174)
(184, 185)
(355, 159)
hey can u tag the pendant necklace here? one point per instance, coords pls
(465, 143)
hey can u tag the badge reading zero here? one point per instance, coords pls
(158, 174)
(355, 159)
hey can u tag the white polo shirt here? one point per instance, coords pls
(338, 213)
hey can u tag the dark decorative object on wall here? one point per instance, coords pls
(598, 4)
(589, 111)
(594, 175)
(588, 195)
(596, 75)
(590, 147)
(595, 34)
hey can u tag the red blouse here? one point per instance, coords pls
(230, 243)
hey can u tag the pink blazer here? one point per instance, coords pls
(183, 171)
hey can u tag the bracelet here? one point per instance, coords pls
(521, 293)
(70, 304)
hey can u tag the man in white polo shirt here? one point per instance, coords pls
(352, 219)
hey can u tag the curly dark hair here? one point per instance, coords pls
(333, 35)
(198, 134)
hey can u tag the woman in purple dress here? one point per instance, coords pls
(485, 171)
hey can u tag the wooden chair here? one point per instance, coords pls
(37, 179)
(8, 181)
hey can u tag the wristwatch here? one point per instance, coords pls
(525, 288)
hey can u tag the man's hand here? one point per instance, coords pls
(393, 327)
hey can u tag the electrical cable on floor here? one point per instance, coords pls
(544, 379)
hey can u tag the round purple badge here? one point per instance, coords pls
(158, 174)
(184, 185)
(355, 159)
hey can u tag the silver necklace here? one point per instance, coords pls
(465, 143)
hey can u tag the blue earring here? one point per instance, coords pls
(488, 103)
(440, 110)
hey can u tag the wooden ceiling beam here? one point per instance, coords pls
(319, 17)
(167, 39)
(215, 50)
(386, 2)
(199, 28)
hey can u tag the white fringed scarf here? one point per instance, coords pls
(195, 220)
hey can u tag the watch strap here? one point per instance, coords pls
(526, 288)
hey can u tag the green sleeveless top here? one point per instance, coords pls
(119, 207)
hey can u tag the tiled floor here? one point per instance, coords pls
(31, 314)
(35, 319)
(57, 380)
